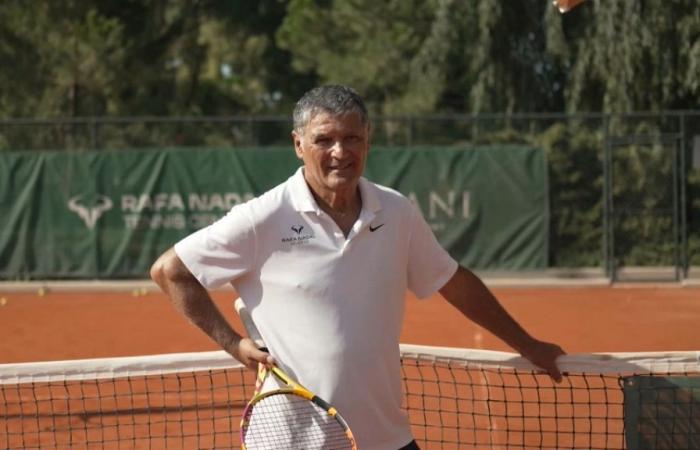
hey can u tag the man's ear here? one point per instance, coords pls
(298, 149)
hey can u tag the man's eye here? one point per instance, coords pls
(352, 139)
(322, 141)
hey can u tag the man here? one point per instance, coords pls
(323, 262)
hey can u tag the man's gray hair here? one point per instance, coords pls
(332, 99)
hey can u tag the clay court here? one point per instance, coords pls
(65, 325)
(51, 325)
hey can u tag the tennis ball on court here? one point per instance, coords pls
(41, 292)
(3, 301)
(135, 293)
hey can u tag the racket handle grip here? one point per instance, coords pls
(248, 323)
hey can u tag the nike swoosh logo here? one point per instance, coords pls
(373, 229)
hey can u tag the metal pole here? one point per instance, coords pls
(683, 203)
(607, 200)
(676, 235)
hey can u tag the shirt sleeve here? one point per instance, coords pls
(430, 267)
(222, 251)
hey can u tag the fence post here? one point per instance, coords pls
(607, 200)
(684, 262)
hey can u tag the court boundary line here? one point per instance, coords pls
(61, 286)
(548, 278)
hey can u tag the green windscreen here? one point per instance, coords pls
(109, 214)
(662, 412)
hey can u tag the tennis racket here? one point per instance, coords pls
(290, 416)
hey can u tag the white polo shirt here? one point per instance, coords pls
(330, 309)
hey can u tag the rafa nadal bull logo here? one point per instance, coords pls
(90, 214)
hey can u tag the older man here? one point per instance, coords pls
(323, 262)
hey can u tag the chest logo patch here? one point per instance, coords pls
(299, 237)
(373, 229)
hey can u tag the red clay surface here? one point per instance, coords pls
(60, 326)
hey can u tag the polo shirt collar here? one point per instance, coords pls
(368, 193)
(303, 200)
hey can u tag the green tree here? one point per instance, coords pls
(160, 57)
(372, 46)
(412, 57)
(61, 64)
(629, 55)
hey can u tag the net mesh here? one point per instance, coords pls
(455, 399)
(503, 408)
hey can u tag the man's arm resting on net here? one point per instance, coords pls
(466, 292)
(190, 299)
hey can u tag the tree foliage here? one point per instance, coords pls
(407, 57)
(138, 57)
(635, 55)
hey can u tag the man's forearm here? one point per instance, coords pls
(471, 297)
(468, 294)
(193, 301)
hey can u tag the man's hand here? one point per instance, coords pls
(248, 353)
(544, 355)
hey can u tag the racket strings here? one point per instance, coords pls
(287, 421)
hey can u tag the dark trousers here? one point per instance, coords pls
(411, 446)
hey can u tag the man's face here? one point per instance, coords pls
(334, 150)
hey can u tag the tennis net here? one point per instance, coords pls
(455, 399)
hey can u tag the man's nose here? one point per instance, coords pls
(339, 149)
